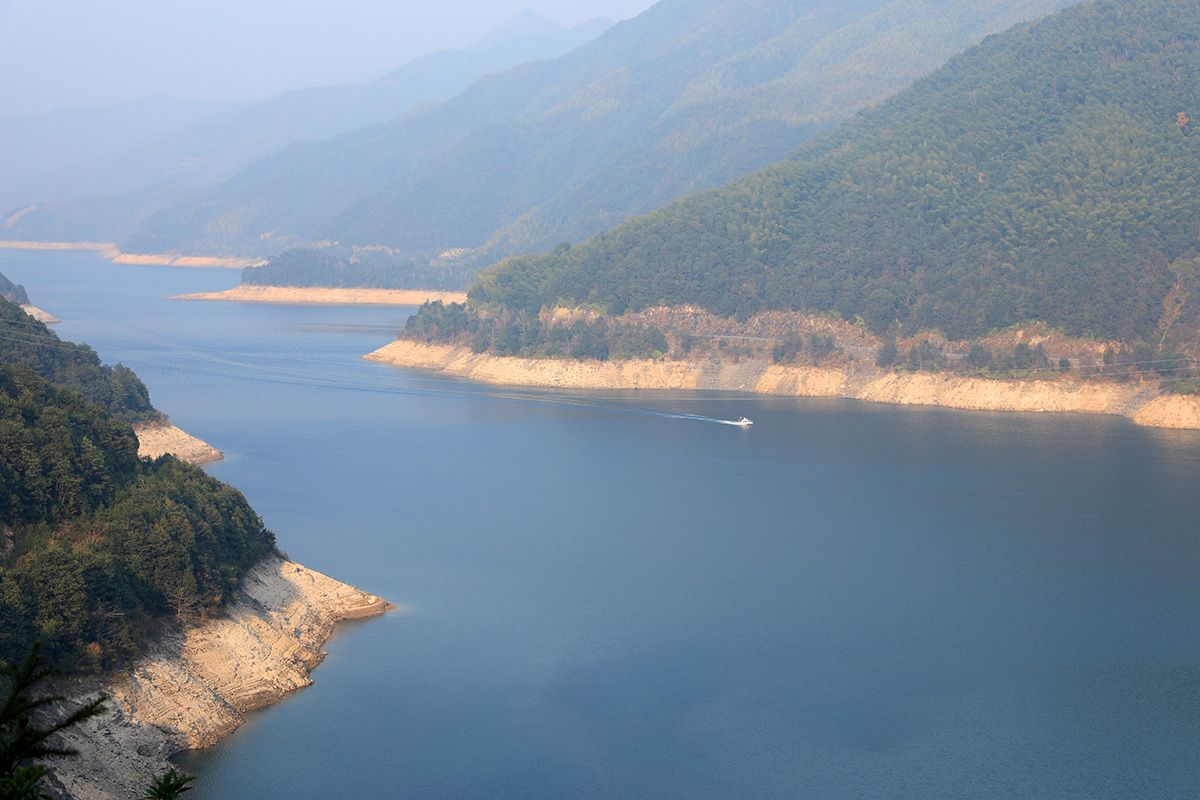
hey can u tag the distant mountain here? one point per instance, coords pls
(685, 96)
(107, 197)
(1049, 174)
(38, 154)
(526, 25)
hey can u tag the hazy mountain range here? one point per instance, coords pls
(95, 173)
(681, 98)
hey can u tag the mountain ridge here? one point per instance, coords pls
(558, 150)
(103, 200)
(1042, 175)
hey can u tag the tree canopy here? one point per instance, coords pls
(76, 367)
(1047, 174)
(12, 292)
(97, 547)
(346, 268)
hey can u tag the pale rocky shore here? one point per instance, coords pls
(161, 438)
(44, 317)
(111, 252)
(296, 295)
(195, 688)
(1142, 403)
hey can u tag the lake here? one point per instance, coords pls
(603, 600)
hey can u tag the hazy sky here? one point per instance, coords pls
(56, 53)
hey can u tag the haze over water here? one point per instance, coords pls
(845, 601)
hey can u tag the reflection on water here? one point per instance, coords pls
(844, 601)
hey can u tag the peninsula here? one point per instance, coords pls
(316, 295)
(44, 317)
(194, 688)
(77, 368)
(160, 438)
(111, 252)
(144, 578)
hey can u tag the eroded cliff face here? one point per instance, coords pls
(1140, 402)
(980, 394)
(161, 438)
(45, 317)
(1170, 411)
(195, 688)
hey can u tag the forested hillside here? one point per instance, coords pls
(98, 549)
(12, 292)
(339, 268)
(70, 366)
(1049, 174)
(688, 95)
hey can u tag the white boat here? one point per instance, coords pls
(743, 422)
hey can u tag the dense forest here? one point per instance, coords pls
(12, 292)
(1048, 174)
(97, 547)
(75, 367)
(687, 95)
(339, 268)
(790, 339)
(521, 334)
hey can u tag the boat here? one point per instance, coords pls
(743, 422)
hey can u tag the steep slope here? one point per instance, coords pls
(13, 292)
(685, 96)
(104, 198)
(96, 547)
(73, 367)
(1048, 174)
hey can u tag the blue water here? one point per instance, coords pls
(605, 601)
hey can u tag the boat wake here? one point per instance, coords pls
(739, 423)
(326, 371)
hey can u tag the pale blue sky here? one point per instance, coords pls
(56, 53)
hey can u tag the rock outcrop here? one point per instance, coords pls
(160, 438)
(44, 317)
(195, 688)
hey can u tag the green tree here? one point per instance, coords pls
(169, 786)
(888, 354)
(24, 741)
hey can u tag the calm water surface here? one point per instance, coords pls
(846, 601)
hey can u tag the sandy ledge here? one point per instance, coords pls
(44, 317)
(111, 252)
(1140, 402)
(160, 438)
(293, 295)
(195, 688)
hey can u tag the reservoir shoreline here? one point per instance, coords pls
(1019, 572)
(110, 252)
(196, 686)
(41, 315)
(157, 439)
(1142, 403)
(311, 295)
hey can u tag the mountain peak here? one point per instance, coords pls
(524, 25)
